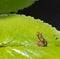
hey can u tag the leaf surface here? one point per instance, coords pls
(18, 38)
(7, 6)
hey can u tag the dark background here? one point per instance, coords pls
(46, 10)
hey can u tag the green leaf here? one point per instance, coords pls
(7, 6)
(18, 38)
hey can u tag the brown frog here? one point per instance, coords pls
(42, 42)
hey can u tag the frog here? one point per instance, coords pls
(42, 41)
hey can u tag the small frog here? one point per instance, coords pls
(42, 42)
